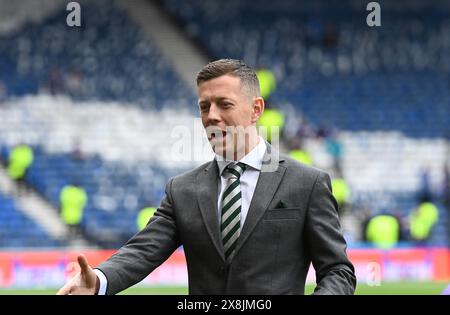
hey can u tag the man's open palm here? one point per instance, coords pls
(84, 282)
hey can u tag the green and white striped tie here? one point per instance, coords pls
(231, 208)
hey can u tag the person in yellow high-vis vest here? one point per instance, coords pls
(144, 216)
(73, 200)
(301, 156)
(267, 82)
(272, 120)
(422, 220)
(383, 231)
(341, 192)
(20, 159)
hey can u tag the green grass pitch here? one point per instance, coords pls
(387, 288)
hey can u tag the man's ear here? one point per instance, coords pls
(258, 108)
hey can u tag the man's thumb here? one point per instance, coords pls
(82, 261)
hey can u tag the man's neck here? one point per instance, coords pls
(249, 146)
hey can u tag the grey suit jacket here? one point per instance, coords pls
(275, 248)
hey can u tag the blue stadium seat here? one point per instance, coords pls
(19, 231)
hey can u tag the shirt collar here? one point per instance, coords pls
(253, 159)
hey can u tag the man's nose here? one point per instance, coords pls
(214, 113)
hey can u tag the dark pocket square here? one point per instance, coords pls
(281, 205)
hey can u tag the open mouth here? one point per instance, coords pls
(217, 134)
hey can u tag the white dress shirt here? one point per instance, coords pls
(103, 281)
(248, 180)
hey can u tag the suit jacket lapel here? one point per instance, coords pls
(265, 189)
(207, 184)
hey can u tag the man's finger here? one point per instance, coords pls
(82, 261)
(65, 290)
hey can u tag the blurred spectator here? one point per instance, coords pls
(314, 31)
(425, 190)
(363, 214)
(330, 36)
(77, 154)
(383, 231)
(73, 200)
(301, 156)
(267, 83)
(74, 83)
(304, 131)
(20, 159)
(144, 216)
(446, 188)
(422, 220)
(3, 92)
(446, 197)
(341, 192)
(56, 84)
(323, 131)
(334, 148)
(269, 119)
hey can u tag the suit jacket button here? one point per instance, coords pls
(222, 270)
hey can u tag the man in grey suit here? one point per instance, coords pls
(250, 221)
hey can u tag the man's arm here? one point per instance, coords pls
(145, 251)
(334, 272)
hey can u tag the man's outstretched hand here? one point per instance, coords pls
(85, 282)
